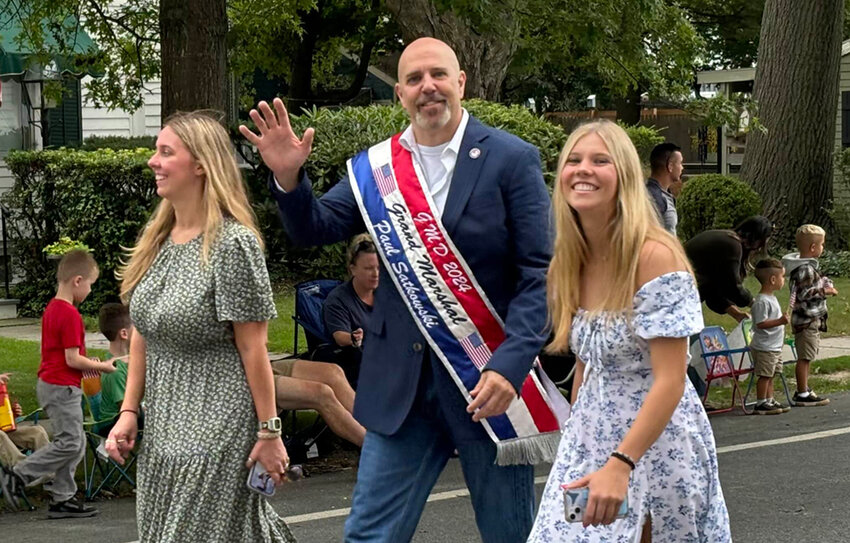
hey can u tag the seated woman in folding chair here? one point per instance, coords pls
(28, 438)
(323, 386)
(349, 305)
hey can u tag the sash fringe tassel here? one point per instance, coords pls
(528, 450)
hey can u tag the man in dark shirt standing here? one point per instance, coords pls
(666, 163)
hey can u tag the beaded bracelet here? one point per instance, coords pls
(623, 457)
(268, 435)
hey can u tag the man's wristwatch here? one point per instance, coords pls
(271, 425)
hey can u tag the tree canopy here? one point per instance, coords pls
(552, 51)
(609, 47)
(556, 53)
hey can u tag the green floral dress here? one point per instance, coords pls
(200, 421)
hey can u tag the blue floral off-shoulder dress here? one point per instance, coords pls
(676, 480)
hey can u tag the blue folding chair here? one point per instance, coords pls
(310, 296)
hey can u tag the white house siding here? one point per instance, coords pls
(11, 131)
(103, 122)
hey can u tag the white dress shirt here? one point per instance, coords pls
(435, 165)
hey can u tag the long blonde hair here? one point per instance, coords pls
(635, 221)
(224, 196)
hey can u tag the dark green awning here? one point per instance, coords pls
(14, 57)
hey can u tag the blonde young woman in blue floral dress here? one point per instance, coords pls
(622, 295)
(200, 300)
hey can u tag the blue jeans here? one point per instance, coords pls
(397, 472)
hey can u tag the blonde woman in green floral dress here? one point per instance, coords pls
(200, 299)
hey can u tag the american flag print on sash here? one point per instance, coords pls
(476, 349)
(385, 180)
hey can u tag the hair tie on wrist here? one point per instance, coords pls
(133, 411)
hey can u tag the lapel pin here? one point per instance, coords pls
(474, 153)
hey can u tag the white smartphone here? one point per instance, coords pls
(260, 481)
(575, 503)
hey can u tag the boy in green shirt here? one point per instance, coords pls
(114, 323)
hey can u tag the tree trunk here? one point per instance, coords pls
(796, 88)
(301, 83)
(484, 56)
(194, 55)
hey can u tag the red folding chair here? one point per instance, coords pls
(720, 363)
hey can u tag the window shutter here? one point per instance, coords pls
(64, 122)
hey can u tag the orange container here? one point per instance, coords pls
(91, 384)
(7, 416)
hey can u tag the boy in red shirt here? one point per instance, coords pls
(63, 359)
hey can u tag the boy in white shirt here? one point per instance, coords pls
(768, 335)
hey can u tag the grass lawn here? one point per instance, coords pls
(839, 308)
(826, 377)
(21, 357)
(280, 329)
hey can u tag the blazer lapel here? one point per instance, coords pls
(467, 171)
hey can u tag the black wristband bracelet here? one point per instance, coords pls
(624, 458)
(128, 411)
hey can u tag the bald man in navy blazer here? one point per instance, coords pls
(489, 188)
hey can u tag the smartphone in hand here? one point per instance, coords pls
(575, 503)
(260, 481)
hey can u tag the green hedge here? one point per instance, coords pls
(714, 201)
(644, 139)
(116, 143)
(101, 198)
(835, 263)
(340, 134)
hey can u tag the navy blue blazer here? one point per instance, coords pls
(497, 214)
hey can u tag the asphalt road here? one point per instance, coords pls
(785, 478)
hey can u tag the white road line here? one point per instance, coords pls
(437, 497)
(463, 492)
(780, 441)
(333, 513)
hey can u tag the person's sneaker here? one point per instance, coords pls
(72, 508)
(779, 405)
(809, 401)
(767, 409)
